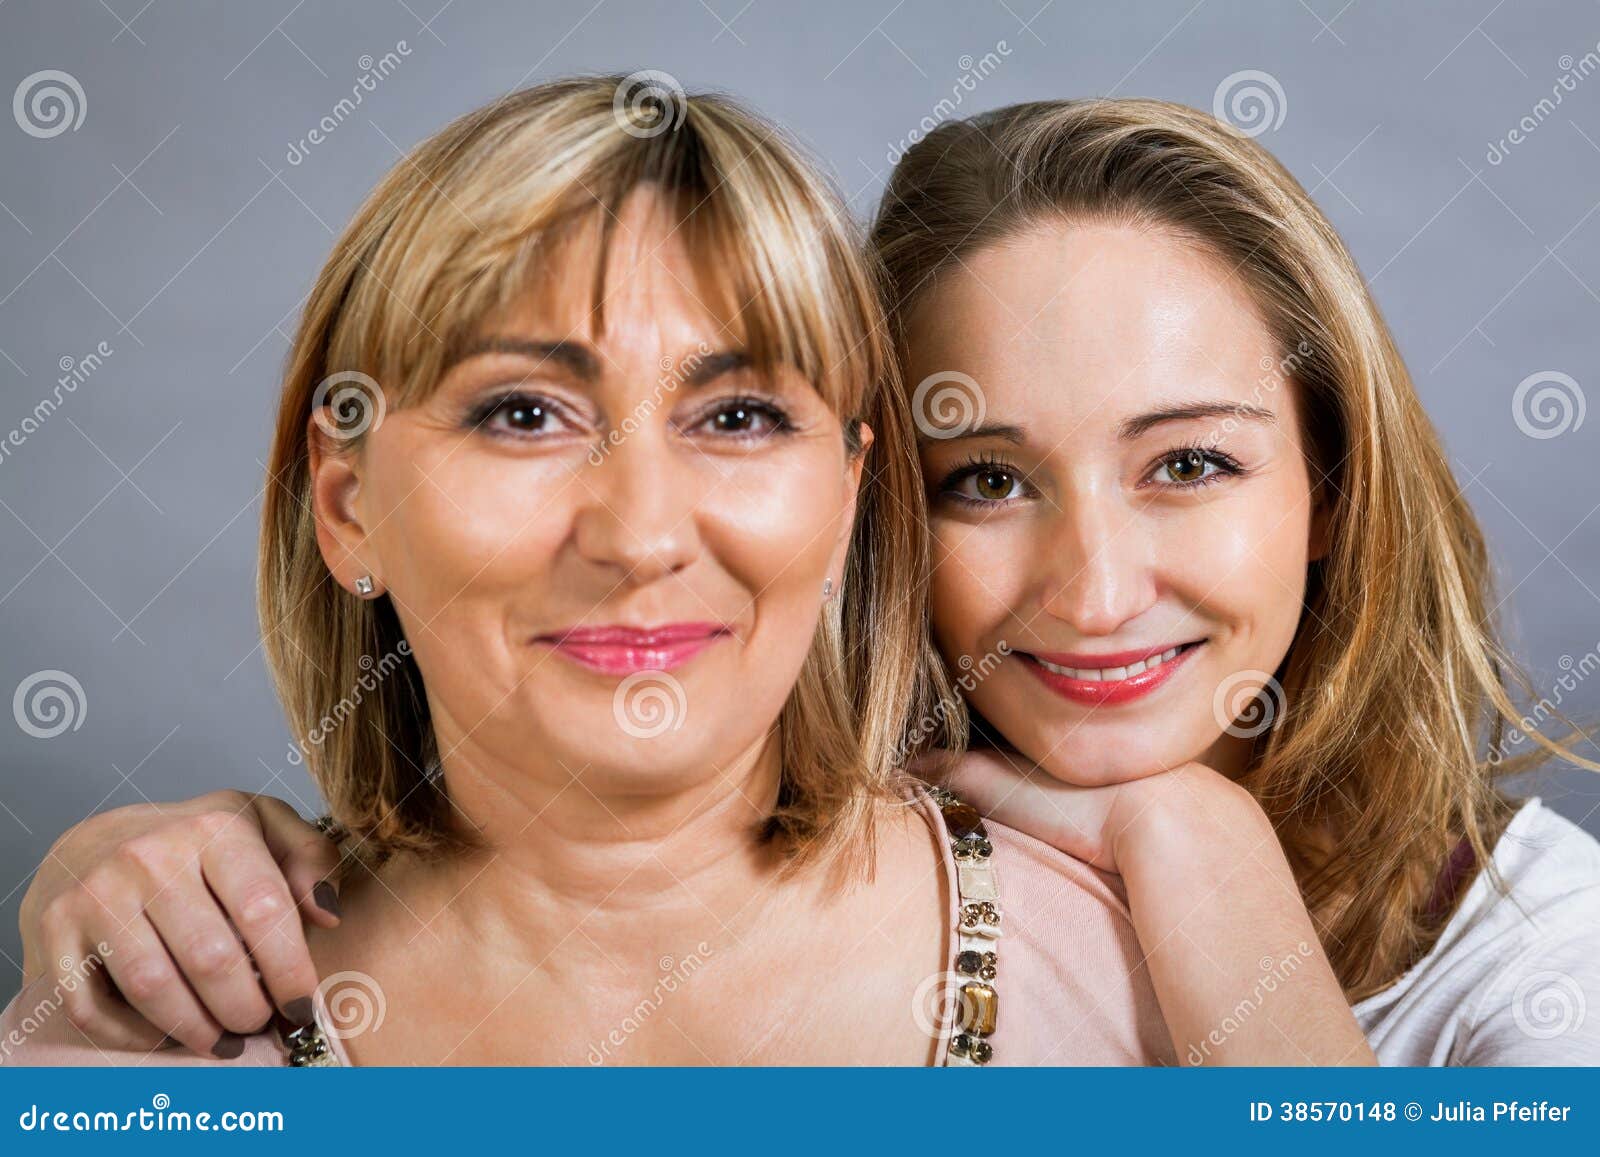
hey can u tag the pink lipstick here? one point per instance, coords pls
(1111, 678)
(620, 650)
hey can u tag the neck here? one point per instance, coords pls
(637, 871)
(1230, 755)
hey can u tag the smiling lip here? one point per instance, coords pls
(624, 650)
(1103, 680)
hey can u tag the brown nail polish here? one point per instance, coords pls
(326, 898)
(229, 1046)
(298, 1010)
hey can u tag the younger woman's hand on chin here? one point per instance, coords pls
(1202, 866)
(1103, 826)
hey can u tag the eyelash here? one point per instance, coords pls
(481, 415)
(1226, 466)
(971, 468)
(773, 413)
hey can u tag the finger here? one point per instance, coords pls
(242, 874)
(74, 982)
(309, 860)
(205, 948)
(149, 984)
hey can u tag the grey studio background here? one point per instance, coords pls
(155, 245)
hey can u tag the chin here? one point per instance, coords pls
(1096, 751)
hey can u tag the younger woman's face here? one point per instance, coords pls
(1121, 506)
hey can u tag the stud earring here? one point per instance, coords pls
(364, 586)
(827, 588)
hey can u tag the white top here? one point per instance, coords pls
(1514, 979)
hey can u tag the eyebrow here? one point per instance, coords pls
(1004, 431)
(1191, 411)
(575, 357)
(579, 360)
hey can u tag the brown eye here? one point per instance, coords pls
(994, 485)
(745, 419)
(1187, 466)
(527, 416)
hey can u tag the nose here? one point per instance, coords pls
(636, 516)
(1097, 566)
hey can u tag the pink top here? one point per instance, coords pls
(1073, 989)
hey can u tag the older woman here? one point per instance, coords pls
(591, 581)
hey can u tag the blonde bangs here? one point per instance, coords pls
(480, 223)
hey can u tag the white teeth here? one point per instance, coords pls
(1112, 674)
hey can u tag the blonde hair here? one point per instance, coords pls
(461, 225)
(1395, 679)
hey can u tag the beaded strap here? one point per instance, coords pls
(977, 932)
(308, 1046)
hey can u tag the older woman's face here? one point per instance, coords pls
(607, 547)
(1122, 536)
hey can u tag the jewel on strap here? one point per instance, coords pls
(977, 932)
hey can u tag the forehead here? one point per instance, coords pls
(1081, 321)
(636, 275)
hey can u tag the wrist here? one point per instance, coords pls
(1181, 814)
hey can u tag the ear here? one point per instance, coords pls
(852, 492)
(1320, 539)
(335, 490)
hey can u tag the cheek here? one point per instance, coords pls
(978, 579)
(452, 527)
(1242, 563)
(775, 521)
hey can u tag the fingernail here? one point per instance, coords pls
(326, 898)
(229, 1046)
(298, 1010)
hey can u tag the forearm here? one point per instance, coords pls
(1232, 953)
